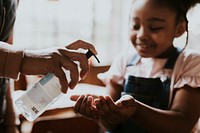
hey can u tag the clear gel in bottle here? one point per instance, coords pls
(42, 95)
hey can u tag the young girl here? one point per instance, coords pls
(157, 82)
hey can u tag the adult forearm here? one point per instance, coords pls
(10, 60)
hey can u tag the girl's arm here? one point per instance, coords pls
(182, 116)
(114, 90)
(115, 93)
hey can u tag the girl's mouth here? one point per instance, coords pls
(145, 47)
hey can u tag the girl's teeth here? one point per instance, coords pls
(145, 46)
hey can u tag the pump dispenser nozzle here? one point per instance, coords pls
(90, 53)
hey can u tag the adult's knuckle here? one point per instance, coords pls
(79, 41)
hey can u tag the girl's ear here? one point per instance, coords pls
(181, 28)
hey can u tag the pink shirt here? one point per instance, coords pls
(186, 69)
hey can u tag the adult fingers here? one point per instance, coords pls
(55, 67)
(82, 44)
(63, 80)
(72, 67)
(80, 57)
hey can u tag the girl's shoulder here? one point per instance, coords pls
(188, 63)
(189, 56)
(187, 69)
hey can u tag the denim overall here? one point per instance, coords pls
(151, 91)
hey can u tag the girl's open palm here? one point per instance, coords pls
(104, 108)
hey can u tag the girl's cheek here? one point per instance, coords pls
(132, 37)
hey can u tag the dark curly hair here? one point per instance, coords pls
(7, 18)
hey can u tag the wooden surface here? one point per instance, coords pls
(66, 125)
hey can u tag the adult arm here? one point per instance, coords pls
(10, 60)
(40, 62)
(10, 116)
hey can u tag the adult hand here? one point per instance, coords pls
(52, 60)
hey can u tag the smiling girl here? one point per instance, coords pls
(154, 86)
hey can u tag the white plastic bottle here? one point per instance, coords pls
(42, 95)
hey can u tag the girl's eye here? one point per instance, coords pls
(155, 28)
(136, 27)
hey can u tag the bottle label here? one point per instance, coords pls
(44, 92)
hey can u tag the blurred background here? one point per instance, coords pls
(46, 23)
(104, 23)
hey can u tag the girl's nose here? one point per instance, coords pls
(142, 34)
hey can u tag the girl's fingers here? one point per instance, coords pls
(74, 97)
(109, 115)
(78, 103)
(99, 109)
(88, 109)
(112, 104)
(104, 105)
(83, 106)
(128, 101)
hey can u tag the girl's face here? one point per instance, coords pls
(153, 29)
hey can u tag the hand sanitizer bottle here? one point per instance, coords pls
(42, 95)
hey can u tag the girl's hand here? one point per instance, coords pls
(52, 60)
(115, 112)
(85, 105)
(104, 108)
